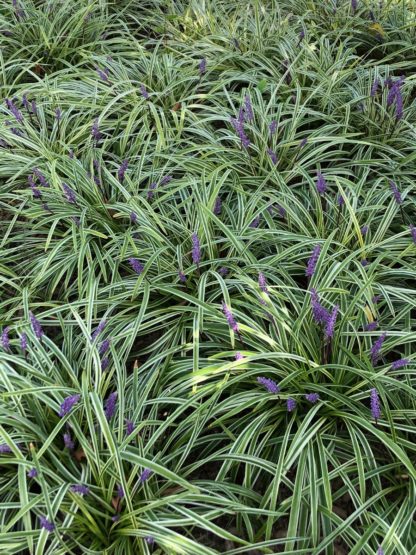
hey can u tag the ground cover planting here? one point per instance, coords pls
(207, 277)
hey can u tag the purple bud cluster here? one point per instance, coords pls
(100, 328)
(269, 384)
(375, 404)
(110, 405)
(68, 404)
(36, 327)
(5, 341)
(69, 194)
(145, 475)
(374, 87)
(122, 170)
(263, 283)
(80, 489)
(14, 110)
(396, 193)
(136, 265)
(144, 92)
(320, 184)
(230, 318)
(202, 66)
(313, 260)
(239, 129)
(395, 95)
(376, 349)
(196, 249)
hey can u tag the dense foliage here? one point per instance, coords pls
(208, 261)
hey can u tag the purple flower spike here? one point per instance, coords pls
(340, 200)
(217, 206)
(32, 473)
(413, 233)
(248, 110)
(122, 170)
(150, 540)
(230, 318)
(23, 343)
(239, 129)
(69, 444)
(136, 265)
(375, 404)
(310, 270)
(133, 217)
(35, 190)
(19, 12)
(255, 223)
(364, 230)
(290, 404)
(34, 108)
(110, 405)
(392, 91)
(100, 328)
(36, 327)
(399, 105)
(273, 156)
(105, 345)
(145, 475)
(152, 187)
(130, 427)
(238, 356)
(5, 341)
(166, 179)
(196, 249)
(120, 491)
(69, 194)
(320, 314)
(262, 283)
(269, 384)
(400, 363)
(223, 271)
(95, 131)
(320, 184)
(376, 348)
(374, 87)
(104, 363)
(396, 192)
(14, 110)
(103, 75)
(364, 262)
(182, 276)
(47, 524)
(281, 211)
(202, 66)
(58, 114)
(4, 448)
(80, 489)
(312, 397)
(371, 326)
(273, 127)
(303, 142)
(380, 550)
(354, 5)
(68, 404)
(330, 325)
(144, 92)
(42, 179)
